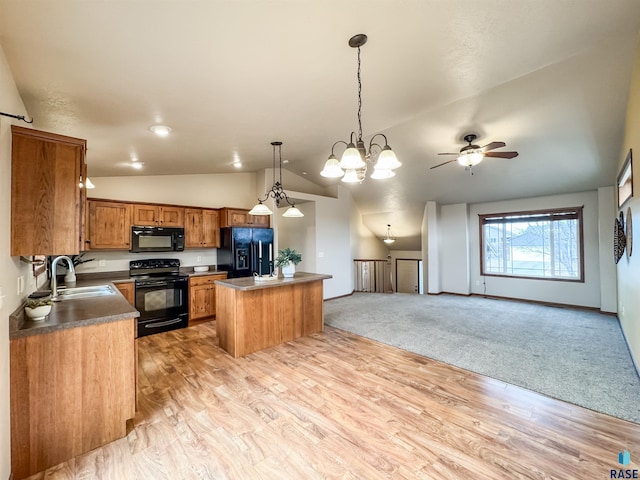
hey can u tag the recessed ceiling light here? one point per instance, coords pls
(237, 164)
(137, 165)
(160, 130)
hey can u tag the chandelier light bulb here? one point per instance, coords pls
(351, 176)
(293, 212)
(387, 160)
(381, 174)
(351, 159)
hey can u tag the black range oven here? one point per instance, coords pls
(161, 295)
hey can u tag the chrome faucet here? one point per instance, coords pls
(54, 280)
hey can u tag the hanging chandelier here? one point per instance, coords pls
(388, 238)
(353, 165)
(277, 192)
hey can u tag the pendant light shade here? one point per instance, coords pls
(260, 209)
(277, 191)
(356, 157)
(388, 239)
(293, 212)
(381, 173)
(331, 168)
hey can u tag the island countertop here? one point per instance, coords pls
(249, 283)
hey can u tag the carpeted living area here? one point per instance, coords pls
(574, 355)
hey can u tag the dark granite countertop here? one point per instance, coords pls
(249, 283)
(74, 313)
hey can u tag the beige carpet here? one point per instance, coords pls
(574, 355)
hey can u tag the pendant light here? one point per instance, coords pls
(388, 239)
(277, 192)
(352, 166)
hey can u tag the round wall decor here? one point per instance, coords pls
(619, 240)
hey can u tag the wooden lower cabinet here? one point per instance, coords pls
(128, 291)
(72, 390)
(202, 297)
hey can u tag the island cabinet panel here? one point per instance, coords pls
(252, 320)
(47, 202)
(72, 390)
(109, 225)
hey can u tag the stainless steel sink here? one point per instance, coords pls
(85, 292)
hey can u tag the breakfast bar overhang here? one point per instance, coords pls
(252, 315)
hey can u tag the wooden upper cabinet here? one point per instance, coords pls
(237, 217)
(109, 225)
(202, 228)
(158, 215)
(46, 199)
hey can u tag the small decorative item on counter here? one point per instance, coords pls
(201, 268)
(38, 306)
(287, 260)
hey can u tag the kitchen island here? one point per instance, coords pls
(253, 315)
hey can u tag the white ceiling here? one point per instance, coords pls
(548, 77)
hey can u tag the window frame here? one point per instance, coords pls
(565, 213)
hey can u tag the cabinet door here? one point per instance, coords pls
(145, 215)
(109, 225)
(260, 220)
(193, 227)
(211, 228)
(171, 216)
(201, 301)
(128, 291)
(46, 199)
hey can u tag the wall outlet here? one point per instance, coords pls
(320, 254)
(20, 284)
(101, 263)
(198, 258)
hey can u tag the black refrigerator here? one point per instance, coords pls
(244, 251)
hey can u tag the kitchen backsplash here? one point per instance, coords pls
(119, 261)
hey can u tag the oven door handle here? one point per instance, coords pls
(160, 283)
(163, 324)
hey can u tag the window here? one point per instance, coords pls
(545, 244)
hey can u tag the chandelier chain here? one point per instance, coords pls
(359, 99)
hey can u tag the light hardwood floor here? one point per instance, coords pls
(335, 405)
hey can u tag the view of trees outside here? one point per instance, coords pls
(533, 249)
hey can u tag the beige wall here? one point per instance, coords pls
(629, 267)
(10, 267)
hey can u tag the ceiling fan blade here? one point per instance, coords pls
(501, 154)
(493, 146)
(449, 153)
(444, 163)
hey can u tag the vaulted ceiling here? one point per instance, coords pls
(549, 78)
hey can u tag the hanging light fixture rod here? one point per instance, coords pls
(19, 117)
(277, 191)
(353, 165)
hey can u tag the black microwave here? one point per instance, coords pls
(156, 239)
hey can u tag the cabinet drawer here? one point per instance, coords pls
(206, 279)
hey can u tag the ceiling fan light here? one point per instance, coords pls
(332, 168)
(260, 209)
(351, 176)
(293, 212)
(351, 158)
(387, 159)
(382, 173)
(470, 159)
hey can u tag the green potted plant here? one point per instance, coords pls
(38, 308)
(287, 260)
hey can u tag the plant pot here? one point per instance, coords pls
(288, 271)
(38, 313)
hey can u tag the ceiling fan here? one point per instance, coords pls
(471, 155)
